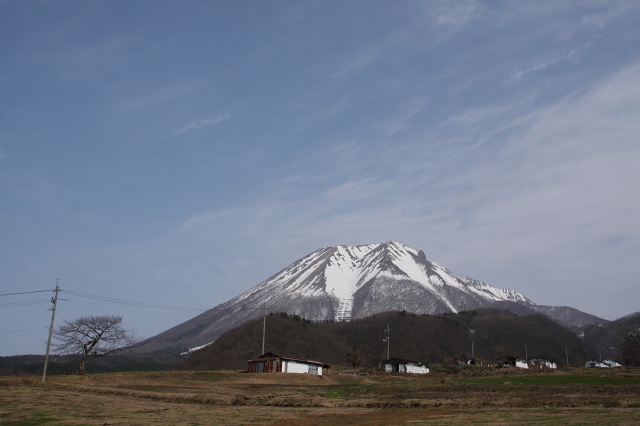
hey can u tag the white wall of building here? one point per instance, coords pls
(418, 369)
(407, 368)
(289, 366)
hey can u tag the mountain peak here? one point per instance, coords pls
(344, 282)
(343, 275)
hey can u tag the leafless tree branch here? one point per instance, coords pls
(92, 337)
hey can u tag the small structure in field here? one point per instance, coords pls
(541, 363)
(465, 360)
(401, 365)
(510, 361)
(607, 363)
(274, 363)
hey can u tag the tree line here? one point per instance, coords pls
(429, 339)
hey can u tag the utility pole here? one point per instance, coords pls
(264, 327)
(387, 339)
(526, 353)
(471, 334)
(621, 358)
(54, 300)
(566, 351)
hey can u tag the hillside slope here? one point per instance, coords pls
(430, 339)
(605, 340)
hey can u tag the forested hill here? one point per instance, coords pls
(605, 340)
(426, 338)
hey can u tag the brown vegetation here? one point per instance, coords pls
(226, 397)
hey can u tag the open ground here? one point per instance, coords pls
(506, 396)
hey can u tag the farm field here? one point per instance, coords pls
(573, 397)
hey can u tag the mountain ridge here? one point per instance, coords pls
(344, 282)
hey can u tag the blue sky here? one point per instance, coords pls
(178, 153)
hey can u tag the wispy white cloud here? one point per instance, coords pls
(357, 61)
(552, 190)
(606, 13)
(406, 112)
(205, 122)
(161, 95)
(452, 14)
(477, 115)
(572, 56)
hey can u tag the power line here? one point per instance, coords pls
(110, 300)
(133, 303)
(30, 318)
(25, 292)
(26, 329)
(24, 303)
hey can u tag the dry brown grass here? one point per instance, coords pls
(232, 398)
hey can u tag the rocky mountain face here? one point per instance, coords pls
(348, 282)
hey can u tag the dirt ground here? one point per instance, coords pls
(234, 398)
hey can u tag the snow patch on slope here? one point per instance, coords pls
(340, 271)
(416, 271)
(493, 293)
(344, 274)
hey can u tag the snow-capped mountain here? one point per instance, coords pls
(344, 282)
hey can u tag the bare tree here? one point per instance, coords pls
(630, 350)
(92, 337)
(354, 358)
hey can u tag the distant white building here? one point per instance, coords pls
(274, 363)
(541, 363)
(596, 364)
(401, 365)
(509, 361)
(611, 363)
(465, 360)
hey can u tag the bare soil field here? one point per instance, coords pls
(572, 397)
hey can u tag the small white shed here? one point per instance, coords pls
(274, 363)
(401, 365)
(510, 361)
(541, 363)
